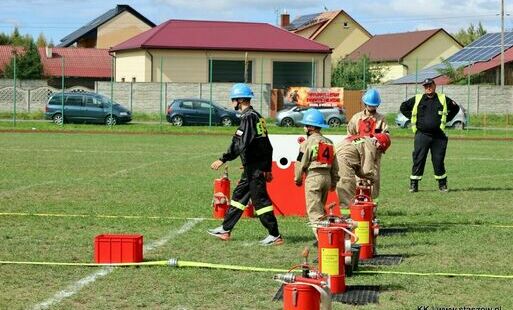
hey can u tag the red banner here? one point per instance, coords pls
(305, 96)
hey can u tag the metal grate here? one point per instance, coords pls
(354, 295)
(382, 260)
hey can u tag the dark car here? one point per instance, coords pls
(86, 108)
(197, 111)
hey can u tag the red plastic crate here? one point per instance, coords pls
(109, 249)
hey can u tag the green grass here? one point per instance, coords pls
(168, 175)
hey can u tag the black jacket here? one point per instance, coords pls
(429, 112)
(251, 142)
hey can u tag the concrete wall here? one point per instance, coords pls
(482, 99)
(145, 97)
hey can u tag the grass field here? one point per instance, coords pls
(168, 176)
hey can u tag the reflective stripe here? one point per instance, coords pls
(440, 177)
(237, 205)
(415, 177)
(264, 210)
(443, 101)
(315, 151)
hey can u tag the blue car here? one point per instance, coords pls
(199, 112)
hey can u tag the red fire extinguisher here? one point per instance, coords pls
(221, 201)
(306, 292)
(249, 211)
(362, 211)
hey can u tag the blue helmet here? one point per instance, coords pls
(312, 117)
(372, 98)
(241, 90)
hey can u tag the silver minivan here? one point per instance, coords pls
(291, 117)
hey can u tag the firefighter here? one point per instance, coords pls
(316, 160)
(368, 123)
(357, 156)
(429, 112)
(252, 144)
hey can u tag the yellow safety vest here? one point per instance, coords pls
(441, 98)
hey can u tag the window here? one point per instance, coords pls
(56, 100)
(230, 71)
(74, 100)
(92, 102)
(123, 80)
(204, 106)
(346, 25)
(133, 79)
(186, 105)
(292, 74)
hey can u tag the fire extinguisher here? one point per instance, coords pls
(333, 248)
(363, 212)
(306, 292)
(332, 220)
(250, 210)
(221, 200)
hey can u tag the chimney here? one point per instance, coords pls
(284, 19)
(48, 52)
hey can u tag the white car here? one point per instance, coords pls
(458, 122)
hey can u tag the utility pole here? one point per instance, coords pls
(502, 43)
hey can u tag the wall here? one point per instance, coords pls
(145, 97)
(429, 53)
(193, 66)
(342, 40)
(483, 98)
(119, 29)
(392, 71)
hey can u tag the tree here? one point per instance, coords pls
(28, 65)
(469, 35)
(41, 40)
(350, 73)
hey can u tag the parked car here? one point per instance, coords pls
(198, 111)
(334, 116)
(458, 122)
(86, 108)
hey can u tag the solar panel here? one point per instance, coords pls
(303, 20)
(484, 48)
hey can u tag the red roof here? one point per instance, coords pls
(6, 53)
(490, 64)
(78, 62)
(393, 46)
(218, 35)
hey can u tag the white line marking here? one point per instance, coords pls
(77, 286)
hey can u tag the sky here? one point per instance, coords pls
(58, 18)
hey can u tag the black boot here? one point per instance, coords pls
(414, 186)
(442, 185)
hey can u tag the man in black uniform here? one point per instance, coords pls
(252, 144)
(429, 112)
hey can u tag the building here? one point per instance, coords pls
(204, 51)
(80, 66)
(6, 54)
(336, 29)
(480, 57)
(401, 54)
(109, 29)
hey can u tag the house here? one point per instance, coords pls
(401, 54)
(109, 29)
(234, 51)
(336, 29)
(80, 66)
(6, 54)
(480, 57)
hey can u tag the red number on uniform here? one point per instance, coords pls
(326, 155)
(367, 127)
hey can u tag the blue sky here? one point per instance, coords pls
(57, 18)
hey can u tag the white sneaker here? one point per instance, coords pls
(220, 233)
(271, 240)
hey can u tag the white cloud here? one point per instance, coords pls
(239, 7)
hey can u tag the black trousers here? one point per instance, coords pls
(437, 144)
(252, 185)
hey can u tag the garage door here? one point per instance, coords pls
(290, 74)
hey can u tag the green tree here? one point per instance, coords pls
(350, 73)
(469, 35)
(41, 40)
(5, 39)
(28, 65)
